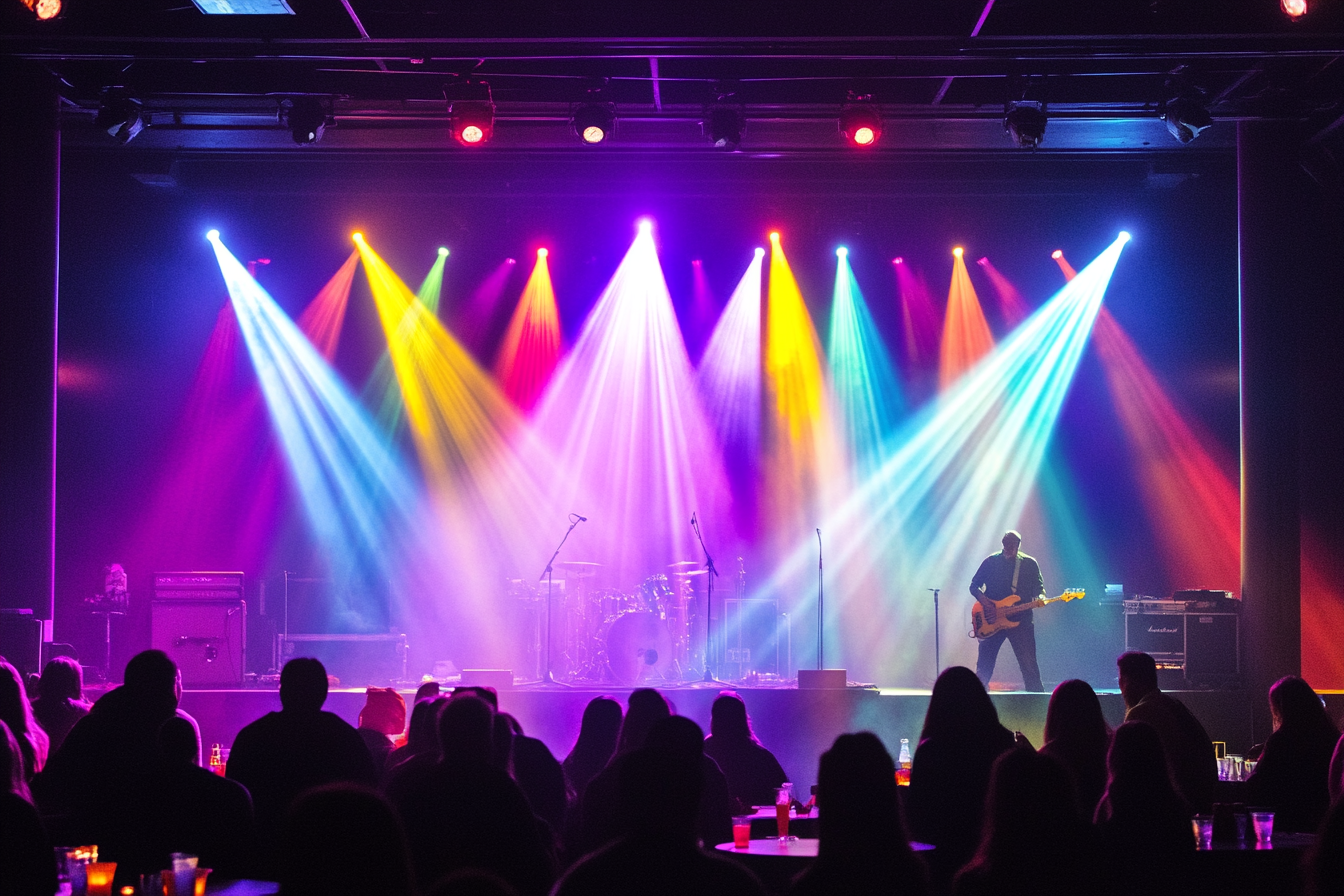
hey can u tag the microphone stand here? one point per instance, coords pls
(937, 663)
(821, 619)
(574, 520)
(709, 600)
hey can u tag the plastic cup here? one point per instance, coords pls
(741, 831)
(1203, 825)
(201, 875)
(1263, 825)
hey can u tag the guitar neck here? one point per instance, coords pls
(1021, 608)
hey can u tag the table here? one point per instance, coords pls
(241, 887)
(1236, 867)
(777, 864)
(765, 825)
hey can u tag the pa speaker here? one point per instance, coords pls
(21, 640)
(206, 638)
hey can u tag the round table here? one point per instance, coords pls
(777, 864)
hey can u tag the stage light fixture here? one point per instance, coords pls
(1025, 123)
(1057, 254)
(212, 235)
(307, 120)
(473, 120)
(1293, 9)
(842, 252)
(542, 253)
(759, 252)
(43, 9)
(1124, 237)
(861, 122)
(645, 225)
(723, 126)
(443, 251)
(357, 237)
(958, 251)
(594, 123)
(1185, 117)
(898, 260)
(121, 116)
(774, 236)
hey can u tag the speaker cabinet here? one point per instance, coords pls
(1212, 645)
(355, 660)
(21, 640)
(206, 638)
(1161, 635)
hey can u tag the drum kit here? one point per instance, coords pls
(606, 635)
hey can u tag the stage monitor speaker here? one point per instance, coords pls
(822, 678)
(357, 661)
(21, 640)
(1211, 646)
(206, 638)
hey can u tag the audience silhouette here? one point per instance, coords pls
(1143, 824)
(26, 861)
(863, 846)
(659, 795)
(539, 775)
(752, 771)
(1293, 774)
(382, 718)
(465, 812)
(60, 703)
(1189, 752)
(422, 735)
(596, 743)
(93, 783)
(1325, 860)
(17, 713)
(1034, 841)
(598, 813)
(1077, 737)
(344, 838)
(284, 753)
(186, 808)
(950, 776)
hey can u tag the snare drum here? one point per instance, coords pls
(638, 648)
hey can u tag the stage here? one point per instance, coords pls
(796, 724)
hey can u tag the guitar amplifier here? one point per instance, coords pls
(1157, 628)
(206, 638)
(1212, 646)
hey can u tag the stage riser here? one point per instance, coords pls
(797, 725)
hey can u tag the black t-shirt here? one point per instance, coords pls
(995, 575)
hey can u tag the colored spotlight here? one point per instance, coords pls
(774, 237)
(212, 235)
(1057, 254)
(1124, 236)
(958, 251)
(473, 121)
(542, 253)
(898, 260)
(760, 253)
(357, 237)
(842, 252)
(1294, 9)
(594, 122)
(645, 225)
(861, 123)
(443, 250)
(50, 9)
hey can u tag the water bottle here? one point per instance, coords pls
(904, 758)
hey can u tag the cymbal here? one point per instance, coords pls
(579, 569)
(683, 563)
(693, 572)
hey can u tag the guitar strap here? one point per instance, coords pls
(1017, 569)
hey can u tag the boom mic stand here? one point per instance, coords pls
(821, 619)
(709, 600)
(574, 520)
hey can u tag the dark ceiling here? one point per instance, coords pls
(941, 72)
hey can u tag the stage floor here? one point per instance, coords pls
(797, 725)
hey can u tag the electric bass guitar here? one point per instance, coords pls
(1009, 607)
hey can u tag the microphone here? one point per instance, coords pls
(692, 517)
(582, 519)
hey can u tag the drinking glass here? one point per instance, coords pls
(1263, 823)
(741, 831)
(1203, 825)
(783, 802)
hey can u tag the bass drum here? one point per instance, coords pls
(639, 648)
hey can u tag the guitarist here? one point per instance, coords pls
(1001, 575)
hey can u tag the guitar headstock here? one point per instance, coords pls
(1073, 594)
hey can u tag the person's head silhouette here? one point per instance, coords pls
(303, 685)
